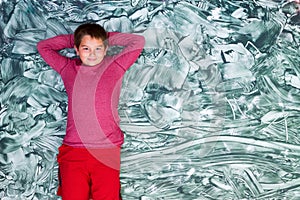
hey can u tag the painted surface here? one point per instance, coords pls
(210, 110)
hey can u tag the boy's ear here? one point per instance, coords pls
(77, 51)
(105, 51)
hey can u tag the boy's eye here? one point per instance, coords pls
(85, 48)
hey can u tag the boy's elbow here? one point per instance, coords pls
(142, 40)
(39, 46)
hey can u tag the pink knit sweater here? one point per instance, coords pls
(93, 92)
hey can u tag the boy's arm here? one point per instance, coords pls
(133, 45)
(49, 50)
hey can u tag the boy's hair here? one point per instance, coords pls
(92, 29)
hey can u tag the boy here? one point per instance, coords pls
(89, 158)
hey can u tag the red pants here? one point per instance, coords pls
(88, 173)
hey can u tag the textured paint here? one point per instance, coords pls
(210, 110)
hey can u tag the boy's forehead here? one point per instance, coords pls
(87, 39)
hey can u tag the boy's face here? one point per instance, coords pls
(91, 50)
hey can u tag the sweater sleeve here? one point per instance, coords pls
(133, 45)
(49, 50)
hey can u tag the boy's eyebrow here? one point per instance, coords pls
(100, 45)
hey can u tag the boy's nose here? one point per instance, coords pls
(93, 52)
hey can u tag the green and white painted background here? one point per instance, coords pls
(210, 110)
